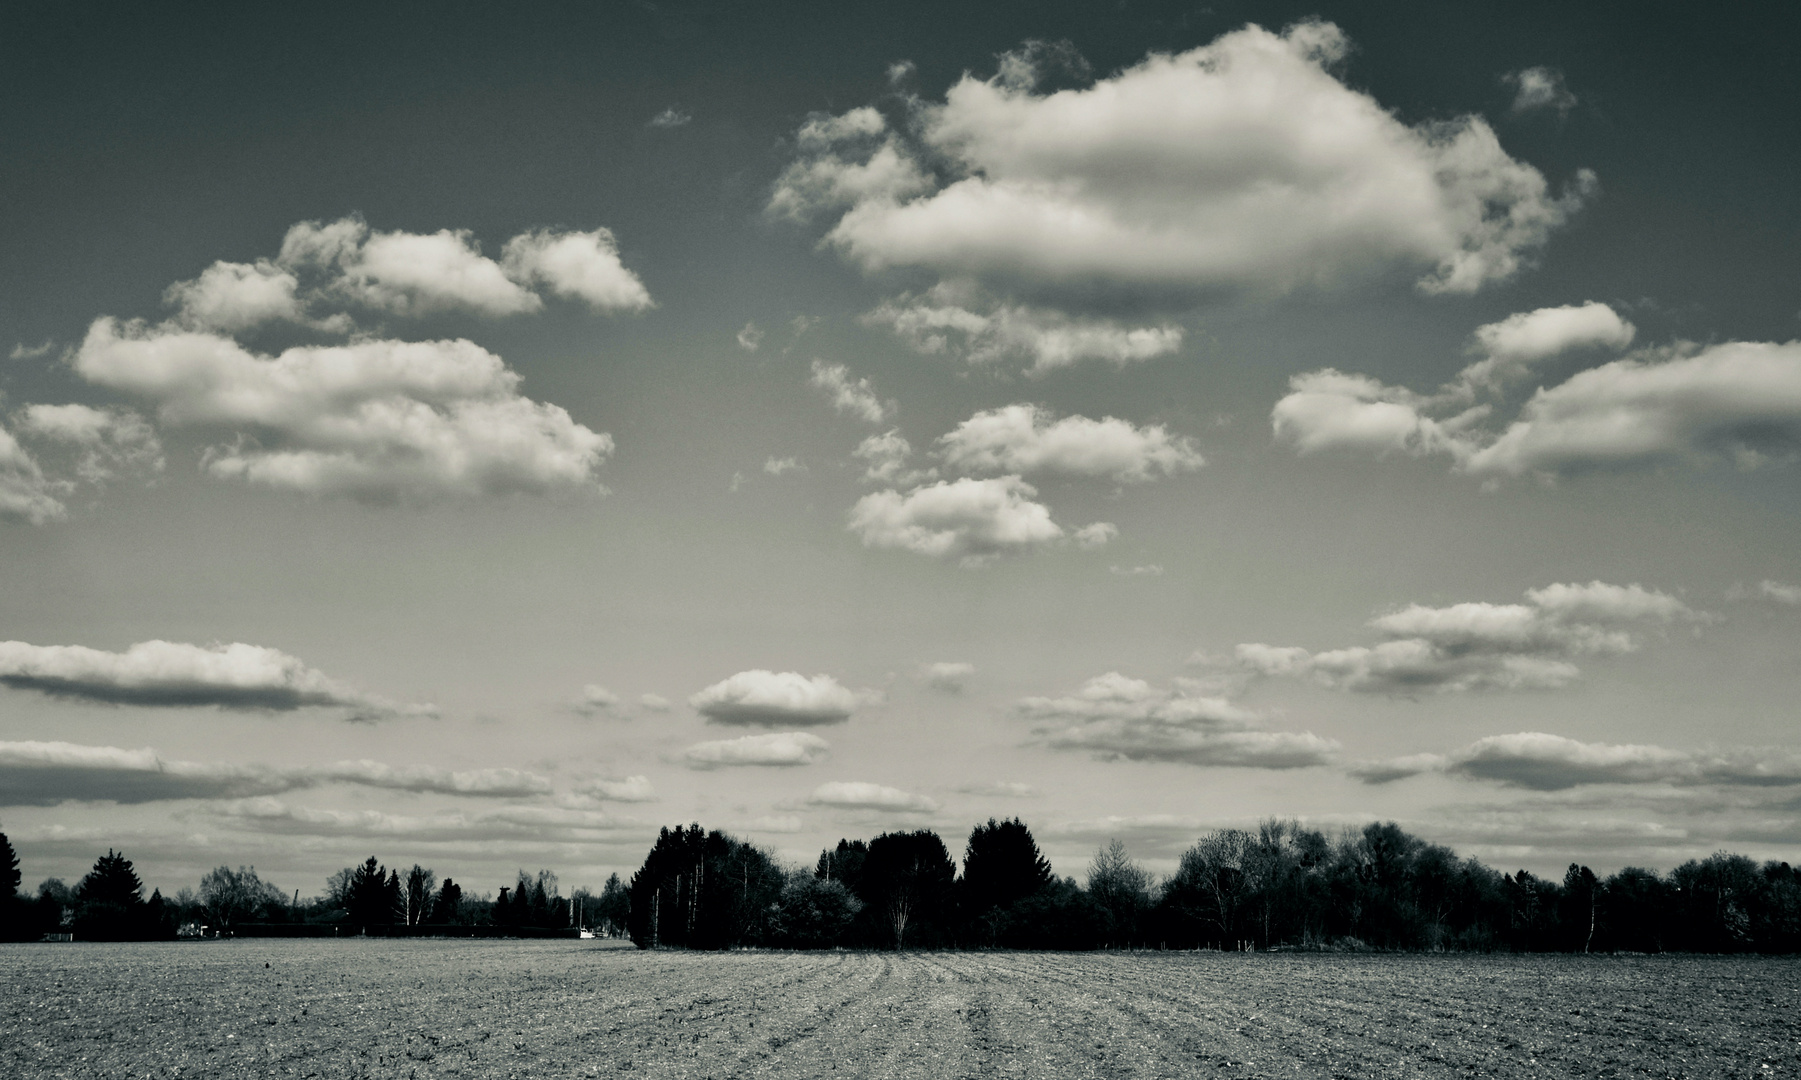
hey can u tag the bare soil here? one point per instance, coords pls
(380, 1008)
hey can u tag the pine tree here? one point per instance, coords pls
(110, 901)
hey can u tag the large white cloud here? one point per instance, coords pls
(1028, 439)
(777, 699)
(1738, 402)
(1116, 717)
(1245, 162)
(862, 795)
(47, 773)
(1542, 762)
(971, 519)
(776, 748)
(377, 419)
(1479, 645)
(420, 273)
(176, 674)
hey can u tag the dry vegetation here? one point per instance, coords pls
(569, 1009)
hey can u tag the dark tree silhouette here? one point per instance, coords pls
(16, 915)
(448, 908)
(1001, 866)
(368, 901)
(906, 889)
(110, 901)
(843, 864)
(703, 890)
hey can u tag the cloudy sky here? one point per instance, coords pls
(477, 439)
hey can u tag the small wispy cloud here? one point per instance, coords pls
(671, 117)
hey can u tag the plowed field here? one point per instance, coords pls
(572, 1009)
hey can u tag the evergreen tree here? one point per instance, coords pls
(9, 870)
(110, 901)
(367, 900)
(16, 923)
(1001, 866)
(447, 909)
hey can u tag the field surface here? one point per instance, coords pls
(575, 1009)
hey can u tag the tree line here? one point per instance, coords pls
(1278, 886)
(109, 904)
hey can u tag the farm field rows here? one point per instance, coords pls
(424, 1009)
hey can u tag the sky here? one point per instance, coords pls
(477, 438)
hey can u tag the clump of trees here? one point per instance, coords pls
(1278, 886)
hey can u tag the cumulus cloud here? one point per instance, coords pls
(778, 466)
(1242, 163)
(1115, 717)
(1541, 762)
(1029, 439)
(232, 297)
(1537, 88)
(595, 700)
(326, 266)
(750, 337)
(783, 749)
(852, 396)
(1096, 535)
(984, 332)
(948, 676)
(1740, 401)
(860, 795)
(970, 519)
(48, 773)
(1737, 402)
(886, 459)
(22, 351)
(176, 674)
(377, 419)
(1479, 645)
(581, 266)
(671, 117)
(761, 698)
(1331, 410)
(406, 273)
